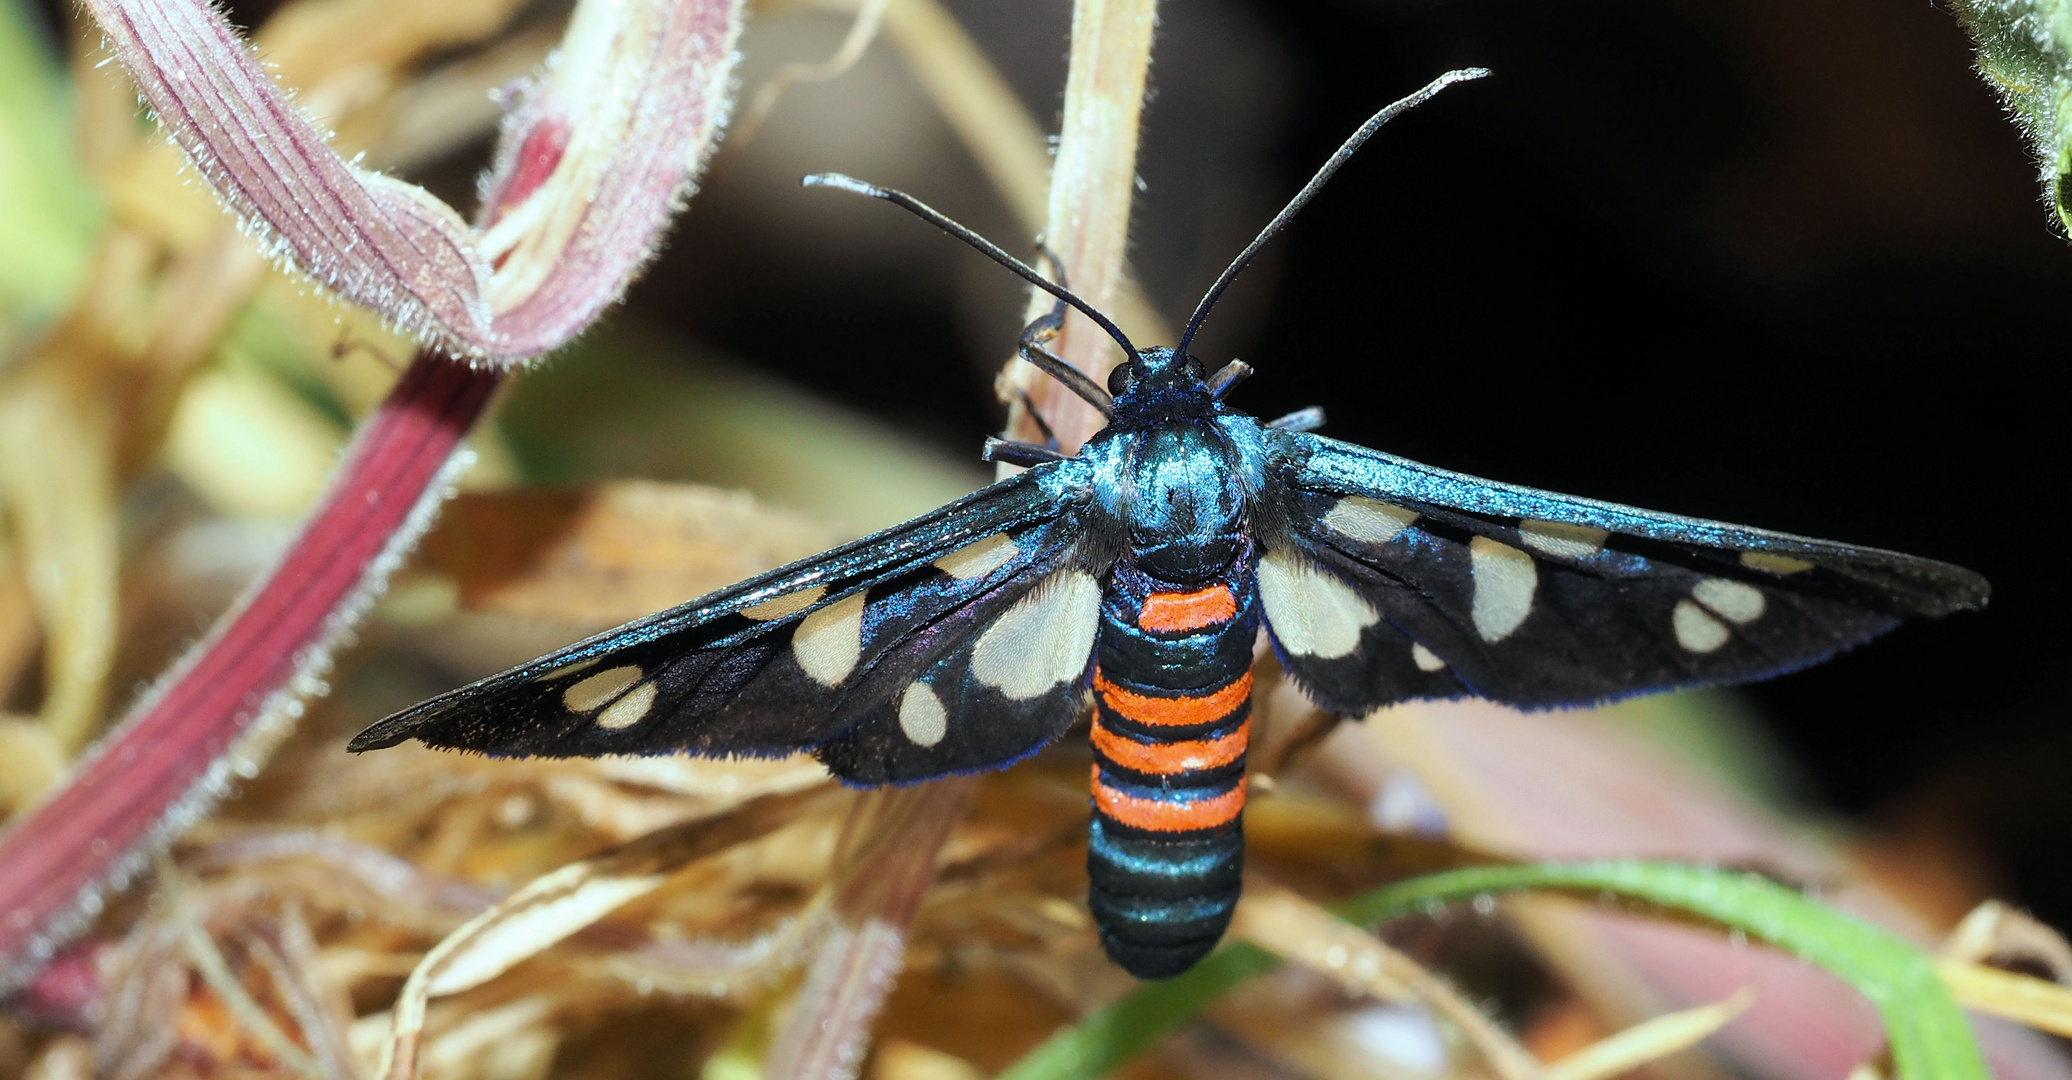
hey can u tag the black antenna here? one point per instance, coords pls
(1309, 190)
(986, 247)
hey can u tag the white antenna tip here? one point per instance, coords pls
(844, 182)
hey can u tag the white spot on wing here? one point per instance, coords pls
(600, 688)
(1780, 565)
(566, 669)
(1368, 521)
(1567, 541)
(1504, 583)
(1695, 630)
(828, 642)
(1045, 639)
(628, 710)
(1730, 600)
(1313, 612)
(789, 604)
(1426, 659)
(921, 715)
(978, 558)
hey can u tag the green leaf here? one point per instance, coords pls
(1931, 1040)
(2025, 51)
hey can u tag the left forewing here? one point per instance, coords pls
(783, 662)
(1394, 580)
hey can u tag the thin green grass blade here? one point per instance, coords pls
(1930, 1037)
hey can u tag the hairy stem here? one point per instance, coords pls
(212, 717)
(1091, 184)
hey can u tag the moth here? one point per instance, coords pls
(1142, 568)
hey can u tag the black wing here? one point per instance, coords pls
(956, 641)
(1393, 580)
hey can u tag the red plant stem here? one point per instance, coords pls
(162, 767)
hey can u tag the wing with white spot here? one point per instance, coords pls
(1403, 581)
(783, 662)
(993, 682)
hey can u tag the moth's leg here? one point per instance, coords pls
(1308, 419)
(1227, 377)
(1044, 328)
(1050, 438)
(1019, 453)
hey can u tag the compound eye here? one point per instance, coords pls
(1120, 378)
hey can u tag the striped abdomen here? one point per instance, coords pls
(1173, 692)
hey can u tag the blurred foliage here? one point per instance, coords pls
(52, 214)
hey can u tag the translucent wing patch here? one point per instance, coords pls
(1401, 581)
(783, 662)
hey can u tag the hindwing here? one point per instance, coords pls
(1391, 580)
(824, 653)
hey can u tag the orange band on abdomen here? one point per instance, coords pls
(1175, 711)
(1171, 759)
(1171, 612)
(1161, 815)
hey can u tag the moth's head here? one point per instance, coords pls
(1160, 384)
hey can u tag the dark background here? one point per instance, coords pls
(1772, 262)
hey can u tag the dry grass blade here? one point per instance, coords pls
(2045, 1006)
(1995, 931)
(289, 957)
(31, 763)
(854, 44)
(57, 485)
(1284, 923)
(551, 908)
(208, 960)
(1650, 1040)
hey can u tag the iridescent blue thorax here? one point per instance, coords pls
(1176, 469)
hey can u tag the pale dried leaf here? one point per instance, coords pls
(67, 1057)
(248, 445)
(603, 554)
(32, 762)
(517, 1032)
(899, 1059)
(57, 486)
(552, 907)
(18, 631)
(1995, 931)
